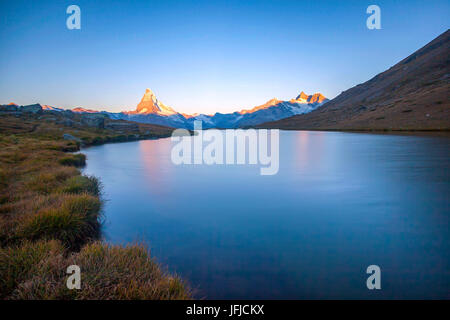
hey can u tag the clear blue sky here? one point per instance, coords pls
(202, 56)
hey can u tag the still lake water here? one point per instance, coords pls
(339, 203)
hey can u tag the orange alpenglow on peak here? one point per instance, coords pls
(302, 98)
(302, 95)
(150, 104)
(266, 105)
(317, 97)
(314, 98)
(80, 109)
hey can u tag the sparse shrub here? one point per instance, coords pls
(77, 160)
(82, 184)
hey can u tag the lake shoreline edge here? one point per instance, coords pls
(60, 222)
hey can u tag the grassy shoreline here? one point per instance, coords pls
(50, 218)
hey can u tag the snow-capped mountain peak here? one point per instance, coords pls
(302, 97)
(313, 98)
(150, 104)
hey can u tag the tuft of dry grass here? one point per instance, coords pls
(129, 271)
(82, 184)
(47, 180)
(77, 160)
(107, 272)
(73, 222)
(25, 261)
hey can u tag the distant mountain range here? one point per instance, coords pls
(414, 94)
(411, 95)
(151, 110)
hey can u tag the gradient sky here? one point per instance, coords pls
(202, 56)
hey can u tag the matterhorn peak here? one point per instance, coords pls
(148, 95)
(150, 104)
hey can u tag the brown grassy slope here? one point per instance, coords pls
(411, 95)
(54, 124)
(50, 219)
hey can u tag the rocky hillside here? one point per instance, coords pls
(85, 128)
(411, 95)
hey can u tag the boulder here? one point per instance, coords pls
(68, 136)
(93, 120)
(67, 122)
